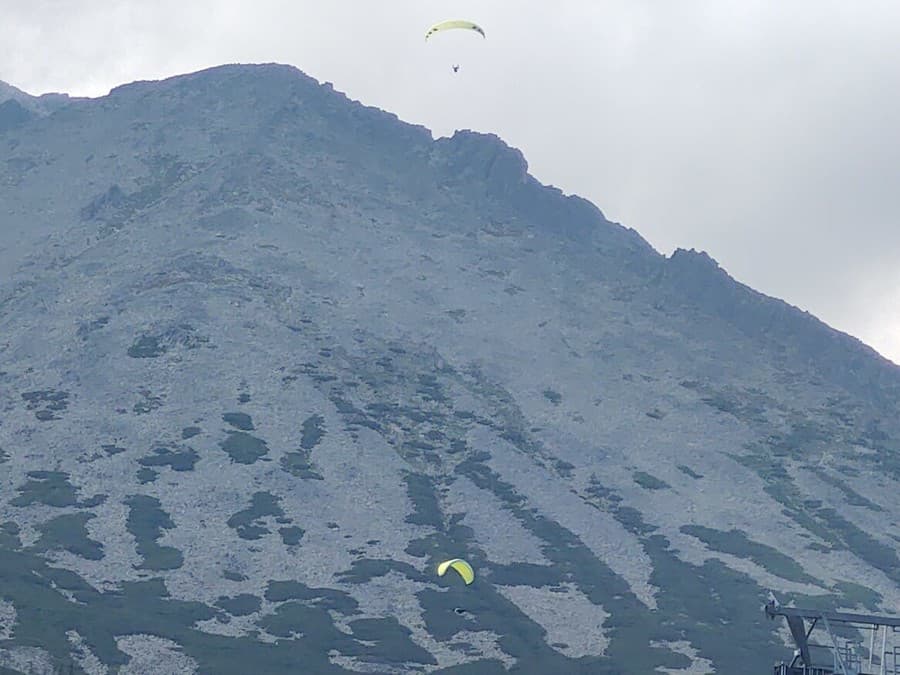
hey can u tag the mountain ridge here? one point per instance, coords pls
(269, 355)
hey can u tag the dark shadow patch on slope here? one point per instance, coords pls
(364, 570)
(291, 536)
(856, 595)
(421, 491)
(649, 481)
(244, 448)
(686, 470)
(323, 598)
(146, 522)
(310, 626)
(46, 403)
(737, 543)
(299, 462)
(313, 431)
(177, 460)
(249, 523)
(51, 488)
(240, 605)
(69, 533)
(239, 420)
(393, 642)
(851, 496)
(553, 396)
(299, 465)
(112, 449)
(145, 476)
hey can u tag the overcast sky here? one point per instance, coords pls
(765, 133)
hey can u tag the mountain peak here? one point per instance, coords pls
(269, 357)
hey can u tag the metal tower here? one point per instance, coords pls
(837, 658)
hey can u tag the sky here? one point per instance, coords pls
(762, 132)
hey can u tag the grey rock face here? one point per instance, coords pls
(268, 356)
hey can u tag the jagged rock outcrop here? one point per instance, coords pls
(833, 355)
(42, 105)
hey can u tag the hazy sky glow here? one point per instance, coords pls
(765, 133)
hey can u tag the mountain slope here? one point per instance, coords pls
(268, 356)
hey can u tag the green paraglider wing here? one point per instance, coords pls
(451, 25)
(461, 566)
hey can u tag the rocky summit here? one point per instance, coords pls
(269, 356)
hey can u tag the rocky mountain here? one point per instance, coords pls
(17, 107)
(268, 356)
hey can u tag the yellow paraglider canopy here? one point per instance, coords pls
(465, 569)
(449, 25)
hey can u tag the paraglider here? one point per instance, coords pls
(454, 25)
(463, 568)
(451, 25)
